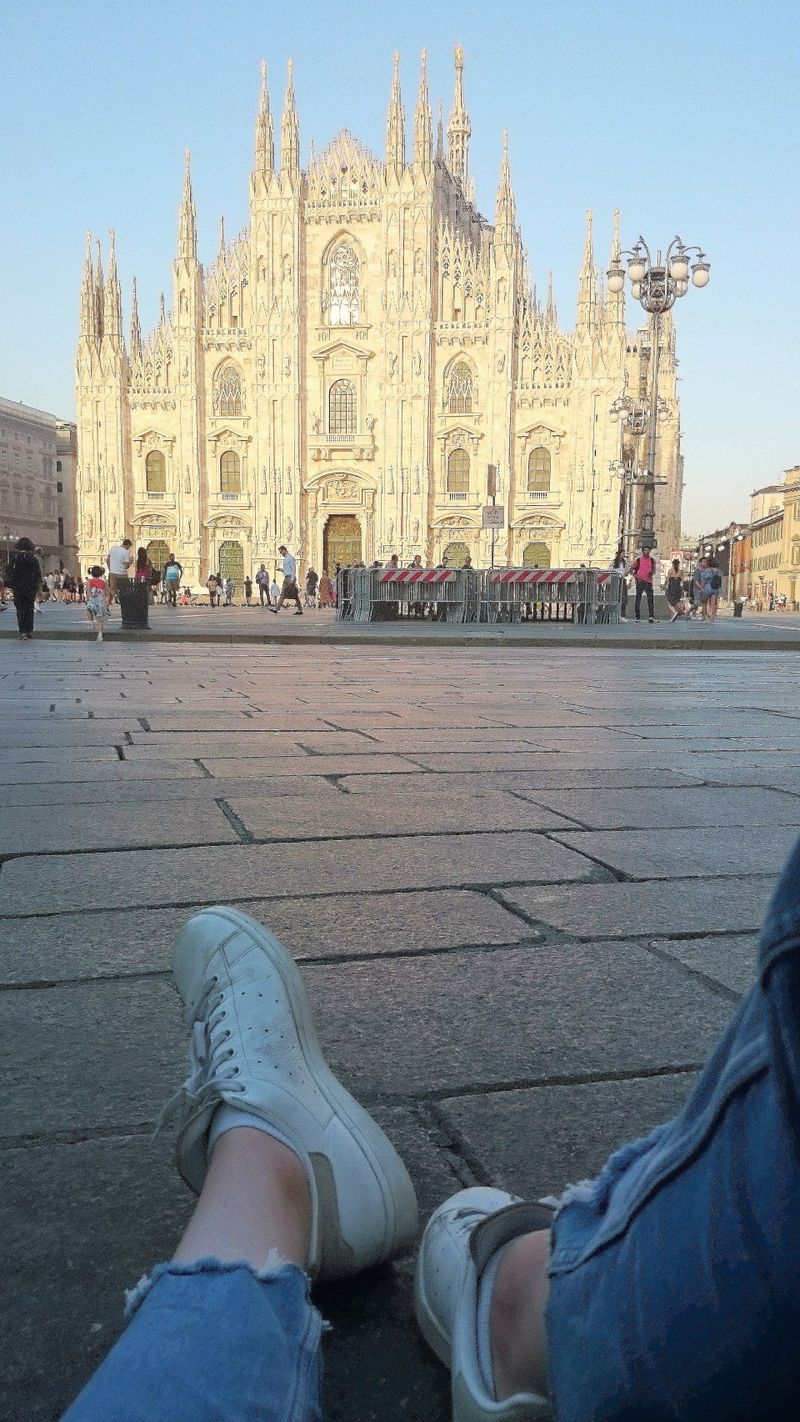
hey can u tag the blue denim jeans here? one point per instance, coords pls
(675, 1275)
(211, 1342)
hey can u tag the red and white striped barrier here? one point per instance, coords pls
(546, 577)
(419, 575)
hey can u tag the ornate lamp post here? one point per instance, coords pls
(656, 283)
(634, 416)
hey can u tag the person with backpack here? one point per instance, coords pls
(716, 588)
(24, 577)
(643, 569)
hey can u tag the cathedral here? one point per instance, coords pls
(344, 374)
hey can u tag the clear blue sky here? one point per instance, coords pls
(683, 116)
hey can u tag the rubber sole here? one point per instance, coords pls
(338, 1257)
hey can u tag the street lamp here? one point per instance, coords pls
(634, 417)
(9, 539)
(729, 543)
(657, 283)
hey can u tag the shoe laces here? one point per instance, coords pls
(212, 1065)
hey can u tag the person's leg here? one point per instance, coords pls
(637, 606)
(24, 606)
(650, 603)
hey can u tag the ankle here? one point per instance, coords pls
(519, 1343)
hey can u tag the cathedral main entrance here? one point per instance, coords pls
(341, 542)
(231, 564)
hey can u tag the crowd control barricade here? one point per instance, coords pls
(442, 592)
(543, 594)
(608, 602)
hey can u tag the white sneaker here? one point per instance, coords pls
(459, 1240)
(253, 1045)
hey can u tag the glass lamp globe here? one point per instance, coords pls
(679, 267)
(681, 287)
(613, 415)
(636, 269)
(701, 274)
(616, 279)
(636, 290)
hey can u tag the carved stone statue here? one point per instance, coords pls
(415, 531)
(187, 480)
(316, 424)
(417, 364)
(501, 362)
(289, 528)
(89, 523)
(262, 366)
(287, 365)
(392, 364)
(112, 481)
(391, 531)
(369, 423)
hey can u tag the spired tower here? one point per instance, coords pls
(345, 370)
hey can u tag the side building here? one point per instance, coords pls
(38, 463)
(343, 373)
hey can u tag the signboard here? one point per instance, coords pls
(494, 516)
(491, 481)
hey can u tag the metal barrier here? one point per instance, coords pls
(581, 595)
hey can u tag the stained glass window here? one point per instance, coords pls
(230, 475)
(460, 389)
(539, 469)
(155, 467)
(458, 472)
(228, 391)
(344, 301)
(342, 408)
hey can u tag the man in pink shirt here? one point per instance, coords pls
(643, 569)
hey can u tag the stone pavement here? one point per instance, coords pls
(524, 894)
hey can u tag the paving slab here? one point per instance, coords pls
(255, 767)
(115, 825)
(74, 769)
(663, 854)
(557, 775)
(422, 1024)
(179, 793)
(693, 906)
(244, 742)
(392, 813)
(685, 808)
(207, 875)
(535, 1142)
(731, 961)
(134, 941)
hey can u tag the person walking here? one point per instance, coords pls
(312, 582)
(674, 590)
(262, 583)
(97, 599)
(702, 587)
(274, 590)
(248, 590)
(120, 559)
(24, 577)
(643, 570)
(173, 573)
(212, 583)
(620, 565)
(327, 597)
(230, 588)
(289, 589)
(715, 584)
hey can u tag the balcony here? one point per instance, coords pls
(458, 498)
(325, 446)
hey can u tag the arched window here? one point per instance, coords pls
(155, 472)
(230, 473)
(228, 398)
(344, 294)
(539, 467)
(458, 472)
(342, 407)
(459, 390)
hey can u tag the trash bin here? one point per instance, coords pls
(738, 605)
(134, 600)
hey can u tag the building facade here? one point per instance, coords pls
(345, 371)
(38, 460)
(774, 567)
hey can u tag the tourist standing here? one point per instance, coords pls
(289, 589)
(262, 583)
(212, 583)
(620, 565)
(97, 597)
(144, 569)
(119, 561)
(327, 597)
(715, 584)
(312, 581)
(173, 573)
(643, 570)
(24, 577)
(230, 589)
(248, 590)
(702, 587)
(674, 589)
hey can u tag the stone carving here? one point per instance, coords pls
(287, 365)
(390, 488)
(88, 478)
(264, 482)
(392, 358)
(188, 526)
(416, 478)
(289, 528)
(187, 481)
(113, 525)
(606, 529)
(343, 488)
(112, 481)
(89, 525)
(415, 531)
(417, 363)
(392, 266)
(288, 480)
(391, 532)
(501, 362)
(316, 424)
(266, 529)
(369, 423)
(185, 368)
(419, 262)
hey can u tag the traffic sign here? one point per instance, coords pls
(494, 516)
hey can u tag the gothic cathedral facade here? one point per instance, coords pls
(342, 376)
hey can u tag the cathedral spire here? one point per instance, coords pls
(550, 314)
(615, 300)
(587, 278)
(88, 294)
(221, 237)
(187, 218)
(100, 293)
(136, 330)
(265, 142)
(505, 211)
(112, 296)
(458, 129)
(162, 311)
(290, 131)
(396, 125)
(439, 132)
(423, 127)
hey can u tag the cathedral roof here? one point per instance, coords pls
(345, 174)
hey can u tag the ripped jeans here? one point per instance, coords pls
(211, 1342)
(674, 1288)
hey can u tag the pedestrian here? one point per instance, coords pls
(620, 565)
(262, 583)
(312, 582)
(97, 600)
(327, 597)
(274, 590)
(24, 577)
(664, 1288)
(230, 588)
(173, 573)
(120, 559)
(144, 568)
(716, 588)
(290, 589)
(392, 565)
(702, 587)
(674, 590)
(643, 570)
(248, 590)
(212, 583)
(80, 587)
